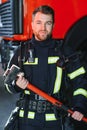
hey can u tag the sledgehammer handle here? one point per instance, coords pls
(51, 99)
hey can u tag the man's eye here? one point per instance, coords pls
(38, 23)
(49, 23)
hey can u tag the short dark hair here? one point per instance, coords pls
(45, 9)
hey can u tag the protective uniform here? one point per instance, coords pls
(44, 73)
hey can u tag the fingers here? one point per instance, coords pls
(77, 116)
(20, 74)
(21, 81)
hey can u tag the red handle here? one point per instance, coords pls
(51, 99)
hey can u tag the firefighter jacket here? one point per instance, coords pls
(45, 74)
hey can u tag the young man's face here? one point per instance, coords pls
(42, 25)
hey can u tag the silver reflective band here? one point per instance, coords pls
(76, 73)
(80, 91)
(7, 87)
(31, 63)
(50, 117)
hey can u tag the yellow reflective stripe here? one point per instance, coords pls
(76, 73)
(80, 91)
(7, 87)
(21, 113)
(58, 80)
(31, 115)
(52, 60)
(27, 92)
(31, 63)
(50, 117)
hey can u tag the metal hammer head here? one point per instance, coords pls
(11, 74)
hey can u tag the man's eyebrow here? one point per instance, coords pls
(38, 20)
(46, 21)
(50, 21)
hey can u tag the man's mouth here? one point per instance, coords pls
(43, 32)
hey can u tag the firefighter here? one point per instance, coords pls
(38, 59)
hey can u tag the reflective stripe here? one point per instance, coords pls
(52, 60)
(58, 80)
(80, 91)
(7, 87)
(31, 63)
(27, 92)
(76, 73)
(21, 113)
(31, 115)
(50, 117)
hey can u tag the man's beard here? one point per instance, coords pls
(42, 37)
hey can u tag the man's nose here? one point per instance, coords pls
(43, 26)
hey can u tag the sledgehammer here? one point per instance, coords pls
(11, 75)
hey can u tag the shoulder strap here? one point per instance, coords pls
(23, 52)
(59, 48)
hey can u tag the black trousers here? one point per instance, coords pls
(39, 125)
(22, 127)
(49, 125)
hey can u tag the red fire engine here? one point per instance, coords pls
(70, 20)
(16, 16)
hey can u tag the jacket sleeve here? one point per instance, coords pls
(12, 87)
(77, 75)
